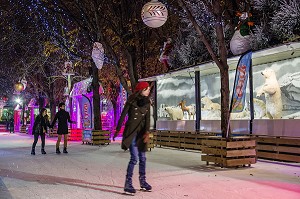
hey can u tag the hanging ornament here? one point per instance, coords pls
(154, 14)
(240, 42)
(4, 98)
(164, 56)
(68, 68)
(98, 54)
(19, 87)
(24, 82)
(66, 91)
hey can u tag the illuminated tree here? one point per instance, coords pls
(128, 43)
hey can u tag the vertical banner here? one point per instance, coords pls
(86, 113)
(240, 83)
(86, 120)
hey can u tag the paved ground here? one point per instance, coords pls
(99, 172)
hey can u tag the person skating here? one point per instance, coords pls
(63, 118)
(11, 125)
(40, 129)
(136, 134)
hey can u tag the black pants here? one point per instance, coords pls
(36, 137)
(11, 129)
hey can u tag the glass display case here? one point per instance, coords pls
(176, 98)
(276, 95)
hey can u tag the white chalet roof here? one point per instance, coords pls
(80, 88)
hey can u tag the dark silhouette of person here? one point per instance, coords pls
(40, 129)
(63, 118)
(11, 125)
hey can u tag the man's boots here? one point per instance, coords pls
(65, 150)
(33, 151)
(57, 151)
(43, 151)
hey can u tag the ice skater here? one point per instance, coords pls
(136, 134)
(11, 125)
(40, 129)
(63, 118)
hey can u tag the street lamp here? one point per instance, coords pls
(18, 100)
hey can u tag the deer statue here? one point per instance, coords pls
(189, 109)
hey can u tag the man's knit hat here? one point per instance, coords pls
(141, 86)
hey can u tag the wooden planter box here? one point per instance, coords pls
(238, 151)
(150, 145)
(23, 129)
(278, 148)
(100, 137)
(179, 139)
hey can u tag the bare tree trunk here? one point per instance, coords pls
(224, 102)
(220, 60)
(41, 101)
(223, 66)
(115, 107)
(52, 108)
(96, 98)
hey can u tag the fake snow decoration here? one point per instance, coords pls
(240, 42)
(98, 54)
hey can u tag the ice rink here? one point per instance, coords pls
(90, 172)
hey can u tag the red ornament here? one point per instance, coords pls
(4, 98)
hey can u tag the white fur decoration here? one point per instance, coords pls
(98, 54)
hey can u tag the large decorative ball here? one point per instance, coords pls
(154, 14)
(239, 44)
(19, 87)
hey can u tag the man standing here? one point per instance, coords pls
(11, 125)
(63, 118)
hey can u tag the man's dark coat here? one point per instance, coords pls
(63, 118)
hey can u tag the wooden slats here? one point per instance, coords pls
(237, 151)
(178, 139)
(279, 140)
(278, 148)
(23, 129)
(241, 144)
(276, 156)
(268, 147)
(100, 137)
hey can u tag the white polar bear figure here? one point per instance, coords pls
(272, 92)
(175, 113)
(209, 105)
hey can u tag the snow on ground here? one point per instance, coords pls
(99, 172)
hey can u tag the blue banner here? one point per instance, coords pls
(240, 83)
(87, 135)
